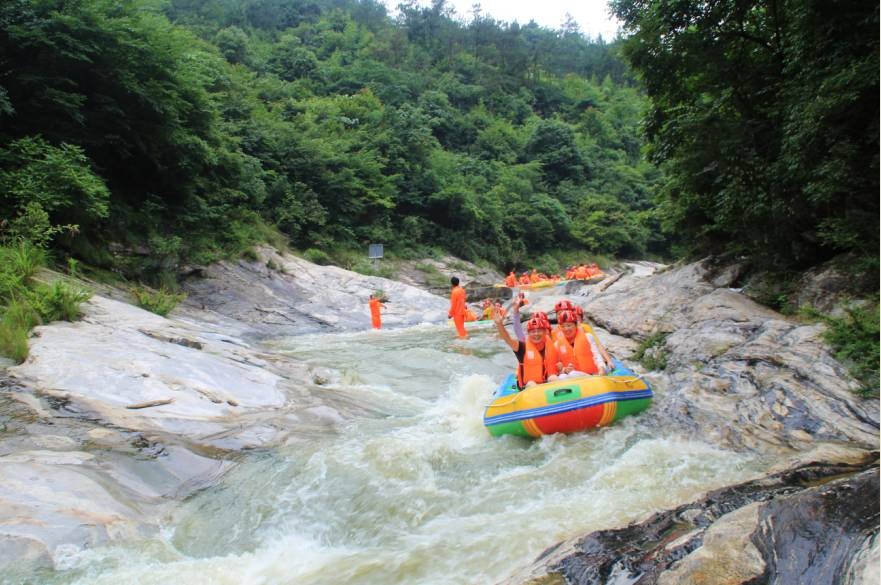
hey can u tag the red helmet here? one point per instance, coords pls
(567, 317)
(564, 305)
(579, 312)
(536, 323)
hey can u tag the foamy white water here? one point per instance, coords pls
(414, 491)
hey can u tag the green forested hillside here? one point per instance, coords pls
(179, 131)
(764, 118)
(176, 132)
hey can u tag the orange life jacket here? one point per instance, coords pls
(511, 280)
(580, 356)
(469, 315)
(537, 366)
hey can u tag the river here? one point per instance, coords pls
(410, 489)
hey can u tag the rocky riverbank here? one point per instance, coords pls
(113, 420)
(748, 379)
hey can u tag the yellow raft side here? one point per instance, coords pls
(538, 396)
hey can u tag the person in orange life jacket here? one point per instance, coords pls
(375, 308)
(598, 354)
(487, 310)
(573, 348)
(511, 279)
(524, 278)
(499, 308)
(470, 315)
(536, 356)
(457, 307)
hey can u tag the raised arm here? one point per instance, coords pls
(512, 343)
(515, 320)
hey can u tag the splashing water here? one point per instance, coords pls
(416, 492)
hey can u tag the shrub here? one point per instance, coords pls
(854, 338)
(32, 225)
(316, 256)
(22, 259)
(60, 301)
(160, 301)
(26, 303)
(59, 180)
(13, 341)
(652, 352)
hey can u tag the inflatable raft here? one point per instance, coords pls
(567, 405)
(540, 284)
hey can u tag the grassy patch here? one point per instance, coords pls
(316, 256)
(60, 301)
(854, 338)
(382, 269)
(26, 302)
(433, 276)
(160, 301)
(652, 352)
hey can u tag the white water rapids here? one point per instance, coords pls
(412, 489)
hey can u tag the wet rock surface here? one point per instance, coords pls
(813, 524)
(743, 377)
(279, 294)
(69, 482)
(738, 374)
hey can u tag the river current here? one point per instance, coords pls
(410, 489)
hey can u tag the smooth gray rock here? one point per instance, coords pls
(738, 373)
(299, 297)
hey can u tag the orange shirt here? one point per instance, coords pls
(457, 301)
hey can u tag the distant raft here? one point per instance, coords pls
(566, 406)
(540, 284)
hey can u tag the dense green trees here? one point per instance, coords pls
(765, 118)
(183, 128)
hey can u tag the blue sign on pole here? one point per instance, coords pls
(374, 251)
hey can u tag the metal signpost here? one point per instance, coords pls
(374, 253)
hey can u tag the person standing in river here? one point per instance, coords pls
(457, 307)
(375, 310)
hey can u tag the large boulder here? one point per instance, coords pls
(814, 524)
(737, 373)
(69, 483)
(281, 294)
